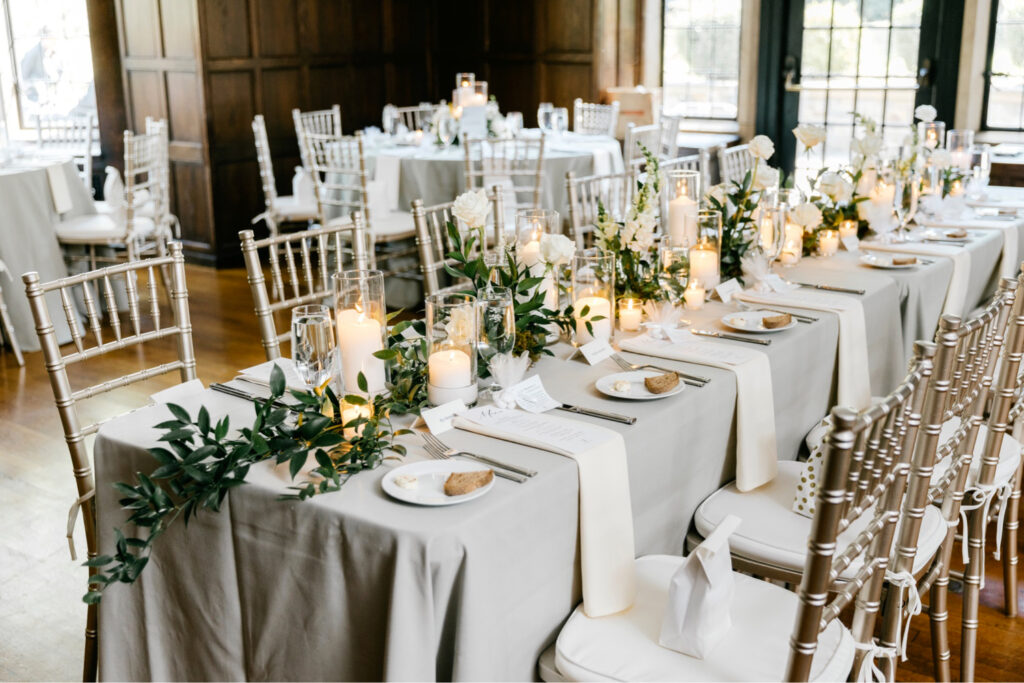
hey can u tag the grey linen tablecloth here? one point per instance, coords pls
(28, 242)
(356, 586)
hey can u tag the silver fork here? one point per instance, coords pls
(444, 452)
(692, 380)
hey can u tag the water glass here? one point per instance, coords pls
(312, 343)
(447, 129)
(561, 120)
(981, 169)
(497, 322)
(674, 269)
(545, 110)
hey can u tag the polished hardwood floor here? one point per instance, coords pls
(41, 616)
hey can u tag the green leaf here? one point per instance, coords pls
(98, 561)
(296, 463)
(362, 383)
(313, 426)
(221, 430)
(277, 381)
(92, 598)
(179, 412)
(324, 460)
(177, 435)
(328, 439)
(203, 420)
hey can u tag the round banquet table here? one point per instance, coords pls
(436, 175)
(28, 240)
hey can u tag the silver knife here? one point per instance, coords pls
(939, 240)
(614, 417)
(830, 288)
(734, 337)
(496, 463)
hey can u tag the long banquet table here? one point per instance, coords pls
(354, 585)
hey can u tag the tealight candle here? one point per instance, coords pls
(956, 188)
(449, 373)
(595, 306)
(359, 337)
(847, 228)
(704, 264)
(693, 296)
(350, 412)
(630, 313)
(529, 253)
(828, 242)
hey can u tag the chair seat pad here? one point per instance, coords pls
(624, 646)
(1009, 456)
(100, 228)
(289, 208)
(772, 534)
(392, 226)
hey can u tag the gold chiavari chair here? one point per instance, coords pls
(734, 163)
(6, 324)
(277, 209)
(977, 458)
(131, 229)
(135, 332)
(301, 265)
(590, 118)
(415, 117)
(77, 135)
(700, 162)
(660, 138)
(166, 220)
(516, 164)
(848, 544)
(434, 242)
(319, 122)
(614, 191)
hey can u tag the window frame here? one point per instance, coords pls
(993, 21)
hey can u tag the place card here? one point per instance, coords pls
(777, 284)
(728, 289)
(439, 419)
(596, 351)
(851, 243)
(531, 396)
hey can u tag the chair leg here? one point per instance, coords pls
(1010, 525)
(89, 666)
(938, 612)
(8, 331)
(973, 573)
(165, 273)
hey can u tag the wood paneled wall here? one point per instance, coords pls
(210, 65)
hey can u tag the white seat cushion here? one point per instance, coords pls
(772, 534)
(395, 225)
(624, 646)
(94, 228)
(291, 209)
(147, 208)
(1009, 456)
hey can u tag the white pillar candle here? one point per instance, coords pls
(450, 376)
(956, 188)
(630, 313)
(550, 291)
(694, 296)
(704, 266)
(596, 306)
(828, 242)
(351, 412)
(682, 221)
(359, 337)
(961, 159)
(882, 194)
(529, 254)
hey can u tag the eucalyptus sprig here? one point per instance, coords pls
(201, 463)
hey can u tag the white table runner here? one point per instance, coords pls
(854, 382)
(756, 454)
(606, 516)
(956, 294)
(1010, 230)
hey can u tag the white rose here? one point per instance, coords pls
(809, 134)
(941, 158)
(765, 176)
(926, 113)
(459, 327)
(556, 250)
(830, 184)
(871, 144)
(807, 215)
(845, 193)
(471, 208)
(643, 239)
(498, 126)
(761, 146)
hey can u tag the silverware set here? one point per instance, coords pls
(438, 450)
(733, 337)
(832, 288)
(239, 393)
(593, 412)
(692, 380)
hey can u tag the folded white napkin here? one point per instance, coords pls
(59, 189)
(303, 187)
(260, 374)
(756, 455)
(1010, 230)
(177, 392)
(956, 294)
(606, 517)
(854, 390)
(387, 177)
(700, 596)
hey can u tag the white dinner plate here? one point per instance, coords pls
(944, 234)
(430, 478)
(752, 321)
(885, 261)
(637, 390)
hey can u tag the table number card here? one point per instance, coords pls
(728, 289)
(439, 419)
(596, 351)
(531, 396)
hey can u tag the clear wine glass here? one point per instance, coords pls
(905, 199)
(561, 120)
(447, 130)
(497, 322)
(544, 112)
(312, 343)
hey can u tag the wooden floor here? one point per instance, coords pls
(41, 616)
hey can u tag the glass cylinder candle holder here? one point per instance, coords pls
(673, 270)
(931, 133)
(497, 322)
(593, 295)
(828, 242)
(694, 295)
(770, 223)
(848, 228)
(465, 79)
(792, 244)
(531, 226)
(360, 319)
(452, 333)
(705, 254)
(681, 204)
(631, 312)
(959, 142)
(545, 110)
(479, 93)
(981, 169)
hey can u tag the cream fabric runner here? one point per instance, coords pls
(383, 190)
(1011, 236)
(756, 455)
(956, 294)
(59, 189)
(854, 390)
(606, 516)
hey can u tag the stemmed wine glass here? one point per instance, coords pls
(312, 343)
(907, 188)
